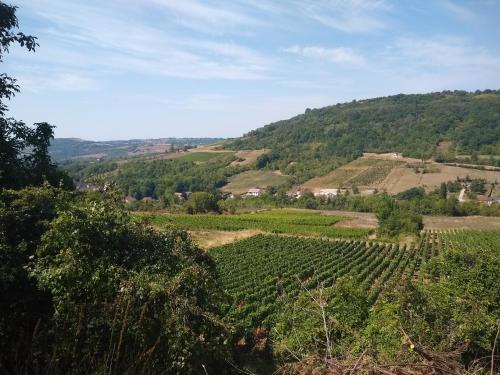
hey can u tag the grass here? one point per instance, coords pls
(241, 182)
(275, 221)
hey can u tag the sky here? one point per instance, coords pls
(121, 69)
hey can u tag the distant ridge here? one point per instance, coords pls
(420, 126)
(62, 149)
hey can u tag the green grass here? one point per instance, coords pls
(201, 157)
(275, 221)
(241, 182)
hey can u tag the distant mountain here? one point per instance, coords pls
(74, 148)
(313, 143)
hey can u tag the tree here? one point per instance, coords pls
(443, 190)
(24, 157)
(201, 202)
(478, 186)
(127, 298)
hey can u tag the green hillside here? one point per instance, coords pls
(317, 141)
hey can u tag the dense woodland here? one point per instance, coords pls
(413, 125)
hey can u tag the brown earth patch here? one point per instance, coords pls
(364, 220)
(208, 239)
(246, 157)
(362, 172)
(463, 222)
(402, 178)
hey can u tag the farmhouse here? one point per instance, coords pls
(295, 194)
(488, 200)
(329, 192)
(253, 192)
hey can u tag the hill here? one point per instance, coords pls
(394, 174)
(74, 148)
(444, 125)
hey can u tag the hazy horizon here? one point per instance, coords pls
(163, 68)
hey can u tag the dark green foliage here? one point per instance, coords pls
(20, 168)
(478, 186)
(85, 290)
(201, 202)
(89, 171)
(410, 124)
(301, 329)
(161, 178)
(393, 219)
(126, 296)
(412, 193)
(24, 217)
(458, 307)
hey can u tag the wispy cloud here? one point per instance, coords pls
(339, 55)
(118, 43)
(458, 10)
(356, 16)
(67, 82)
(445, 52)
(206, 16)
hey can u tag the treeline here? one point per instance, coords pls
(414, 125)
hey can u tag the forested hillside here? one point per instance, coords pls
(414, 125)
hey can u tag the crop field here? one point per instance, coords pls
(486, 240)
(362, 172)
(265, 272)
(276, 221)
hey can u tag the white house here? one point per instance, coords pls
(254, 192)
(295, 194)
(328, 192)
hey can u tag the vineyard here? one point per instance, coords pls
(276, 221)
(264, 272)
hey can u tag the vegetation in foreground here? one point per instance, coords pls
(433, 308)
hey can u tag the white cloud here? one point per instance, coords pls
(109, 40)
(339, 55)
(67, 82)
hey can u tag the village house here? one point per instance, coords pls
(488, 200)
(253, 192)
(295, 194)
(179, 195)
(329, 192)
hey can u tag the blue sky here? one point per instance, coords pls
(120, 69)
